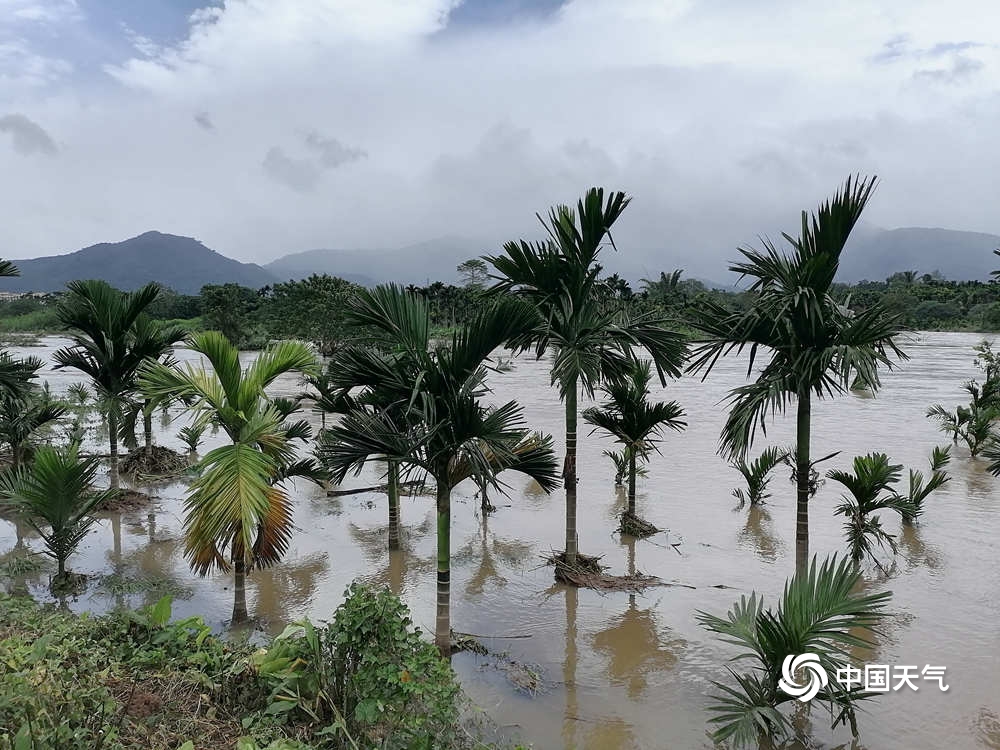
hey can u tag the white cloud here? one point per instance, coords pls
(724, 119)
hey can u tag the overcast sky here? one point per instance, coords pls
(264, 127)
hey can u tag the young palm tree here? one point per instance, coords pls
(757, 475)
(948, 423)
(819, 613)
(869, 490)
(817, 345)
(191, 436)
(439, 425)
(588, 343)
(632, 420)
(111, 339)
(918, 490)
(56, 498)
(21, 418)
(236, 515)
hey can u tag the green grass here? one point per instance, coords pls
(43, 320)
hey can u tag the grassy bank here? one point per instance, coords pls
(137, 680)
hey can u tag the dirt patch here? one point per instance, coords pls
(127, 501)
(143, 705)
(631, 525)
(158, 462)
(163, 711)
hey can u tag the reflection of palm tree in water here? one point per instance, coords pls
(634, 644)
(914, 549)
(401, 561)
(571, 717)
(286, 586)
(19, 585)
(758, 533)
(509, 552)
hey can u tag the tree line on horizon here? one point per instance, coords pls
(313, 309)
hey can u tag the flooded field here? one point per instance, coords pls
(618, 670)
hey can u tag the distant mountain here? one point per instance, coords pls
(874, 254)
(434, 260)
(180, 263)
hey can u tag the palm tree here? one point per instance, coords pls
(21, 418)
(757, 475)
(438, 424)
(588, 344)
(918, 490)
(236, 514)
(869, 490)
(630, 418)
(948, 423)
(111, 339)
(817, 345)
(326, 399)
(819, 613)
(55, 496)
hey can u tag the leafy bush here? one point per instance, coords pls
(134, 680)
(366, 676)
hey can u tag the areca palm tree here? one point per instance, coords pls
(436, 422)
(55, 496)
(817, 345)
(920, 489)
(111, 339)
(819, 613)
(237, 515)
(757, 475)
(869, 490)
(632, 420)
(21, 418)
(589, 344)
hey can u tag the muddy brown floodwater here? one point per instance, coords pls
(620, 670)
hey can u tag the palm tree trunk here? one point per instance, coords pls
(631, 481)
(569, 475)
(15, 455)
(113, 436)
(393, 491)
(240, 592)
(442, 632)
(147, 429)
(802, 472)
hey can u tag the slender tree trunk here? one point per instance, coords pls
(442, 632)
(240, 592)
(147, 429)
(569, 475)
(631, 481)
(15, 455)
(113, 436)
(61, 568)
(393, 491)
(802, 472)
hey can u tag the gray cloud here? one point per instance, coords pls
(304, 174)
(301, 175)
(27, 135)
(203, 121)
(722, 118)
(962, 68)
(331, 152)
